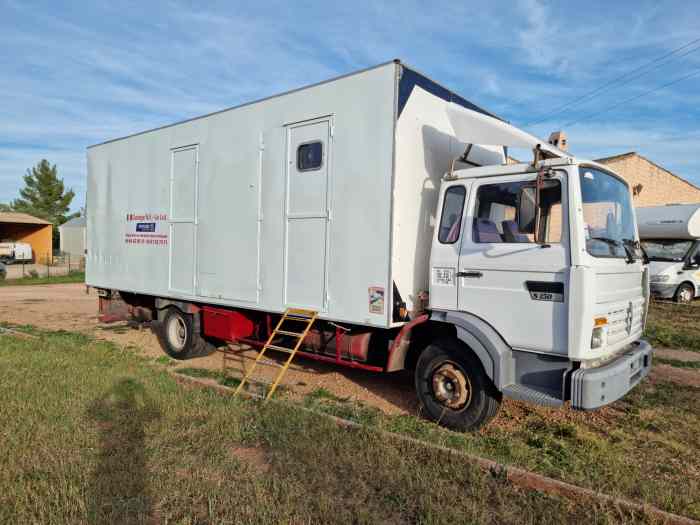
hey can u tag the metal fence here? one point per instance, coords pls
(47, 266)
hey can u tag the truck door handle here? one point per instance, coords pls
(474, 275)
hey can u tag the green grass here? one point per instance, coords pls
(673, 325)
(72, 277)
(92, 433)
(677, 362)
(165, 361)
(219, 376)
(643, 447)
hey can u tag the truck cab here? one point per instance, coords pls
(537, 269)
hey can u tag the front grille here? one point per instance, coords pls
(625, 319)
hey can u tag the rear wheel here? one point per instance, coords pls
(179, 337)
(685, 293)
(453, 388)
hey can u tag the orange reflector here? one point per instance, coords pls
(600, 321)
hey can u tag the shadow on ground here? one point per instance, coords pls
(119, 489)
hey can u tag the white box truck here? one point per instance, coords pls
(382, 201)
(15, 252)
(671, 237)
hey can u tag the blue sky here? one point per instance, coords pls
(74, 74)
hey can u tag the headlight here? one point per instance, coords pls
(599, 332)
(598, 337)
(659, 278)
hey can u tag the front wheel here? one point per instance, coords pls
(453, 388)
(685, 293)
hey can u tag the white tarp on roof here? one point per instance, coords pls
(472, 127)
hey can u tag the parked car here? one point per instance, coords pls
(3, 271)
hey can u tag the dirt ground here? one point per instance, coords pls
(69, 307)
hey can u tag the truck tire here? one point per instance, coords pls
(685, 293)
(179, 336)
(453, 388)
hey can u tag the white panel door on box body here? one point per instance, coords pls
(517, 286)
(444, 255)
(183, 213)
(308, 154)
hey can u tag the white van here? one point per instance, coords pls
(15, 252)
(671, 237)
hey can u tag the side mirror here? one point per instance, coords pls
(527, 209)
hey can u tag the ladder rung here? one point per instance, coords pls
(293, 334)
(298, 315)
(302, 311)
(279, 348)
(296, 319)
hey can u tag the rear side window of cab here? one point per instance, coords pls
(451, 219)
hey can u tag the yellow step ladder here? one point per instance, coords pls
(296, 316)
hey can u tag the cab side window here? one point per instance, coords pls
(451, 220)
(495, 215)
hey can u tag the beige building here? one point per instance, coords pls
(651, 184)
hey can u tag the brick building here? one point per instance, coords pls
(651, 184)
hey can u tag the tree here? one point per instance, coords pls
(45, 196)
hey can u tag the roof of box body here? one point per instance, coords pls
(12, 217)
(438, 90)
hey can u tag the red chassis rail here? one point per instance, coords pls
(234, 326)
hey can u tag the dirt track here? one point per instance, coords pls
(68, 307)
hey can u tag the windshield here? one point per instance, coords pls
(607, 213)
(666, 249)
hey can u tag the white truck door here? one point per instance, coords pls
(444, 254)
(308, 155)
(517, 286)
(182, 219)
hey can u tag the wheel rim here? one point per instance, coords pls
(685, 294)
(451, 386)
(177, 333)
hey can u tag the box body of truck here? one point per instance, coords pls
(321, 198)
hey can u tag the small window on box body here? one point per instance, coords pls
(310, 156)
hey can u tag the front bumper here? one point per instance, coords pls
(665, 291)
(593, 388)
